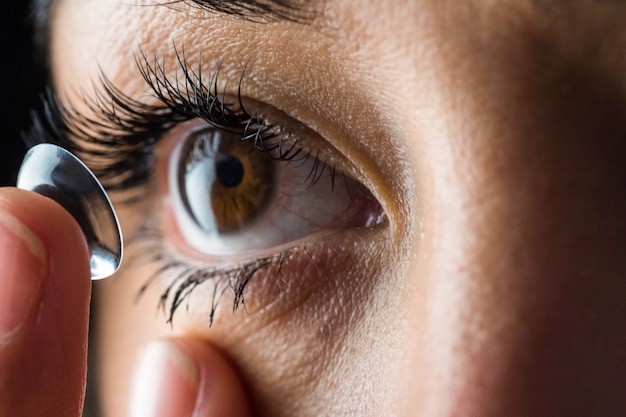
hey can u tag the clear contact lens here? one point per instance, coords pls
(54, 172)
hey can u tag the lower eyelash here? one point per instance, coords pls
(187, 278)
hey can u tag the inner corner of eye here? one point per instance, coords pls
(233, 196)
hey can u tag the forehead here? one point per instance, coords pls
(394, 36)
(142, 21)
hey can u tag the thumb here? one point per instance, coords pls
(186, 377)
(44, 307)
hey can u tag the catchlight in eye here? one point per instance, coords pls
(224, 183)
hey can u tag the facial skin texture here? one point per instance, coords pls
(493, 133)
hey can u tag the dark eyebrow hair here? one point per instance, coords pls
(252, 10)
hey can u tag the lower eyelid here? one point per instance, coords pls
(285, 276)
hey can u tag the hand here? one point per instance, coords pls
(45, 288)
(44, 307)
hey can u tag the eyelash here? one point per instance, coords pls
(124, 131)
(117, 142)
(188, 278)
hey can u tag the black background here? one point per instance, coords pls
(20, 85)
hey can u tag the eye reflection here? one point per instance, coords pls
(236, 197)
(225, 183)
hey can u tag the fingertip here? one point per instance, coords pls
(44, 271)
(222, 390)
(65, 245)
(24, 265)
(50, 222)
(166, 382)
(185, 377)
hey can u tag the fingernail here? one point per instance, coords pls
(165, 383)
(23, 265)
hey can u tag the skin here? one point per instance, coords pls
(497, 286)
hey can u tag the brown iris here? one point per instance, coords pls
(226, 182)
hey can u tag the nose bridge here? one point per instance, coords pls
(521, 274)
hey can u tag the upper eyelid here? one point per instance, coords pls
(116, 126)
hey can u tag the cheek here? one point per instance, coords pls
(521, 218)
(322, 318)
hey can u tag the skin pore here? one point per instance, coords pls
(492, 135)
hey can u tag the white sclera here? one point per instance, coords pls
(52, 171)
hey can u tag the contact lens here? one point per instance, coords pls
(54, 172)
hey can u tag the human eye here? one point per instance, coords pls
(243, 193)
(243, 187)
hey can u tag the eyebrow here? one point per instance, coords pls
(252, 10)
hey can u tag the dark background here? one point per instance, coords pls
(20, 84)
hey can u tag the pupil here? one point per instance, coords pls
(229, 171)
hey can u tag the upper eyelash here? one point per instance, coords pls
(194, 99)
(120, 130)
(117, 139)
